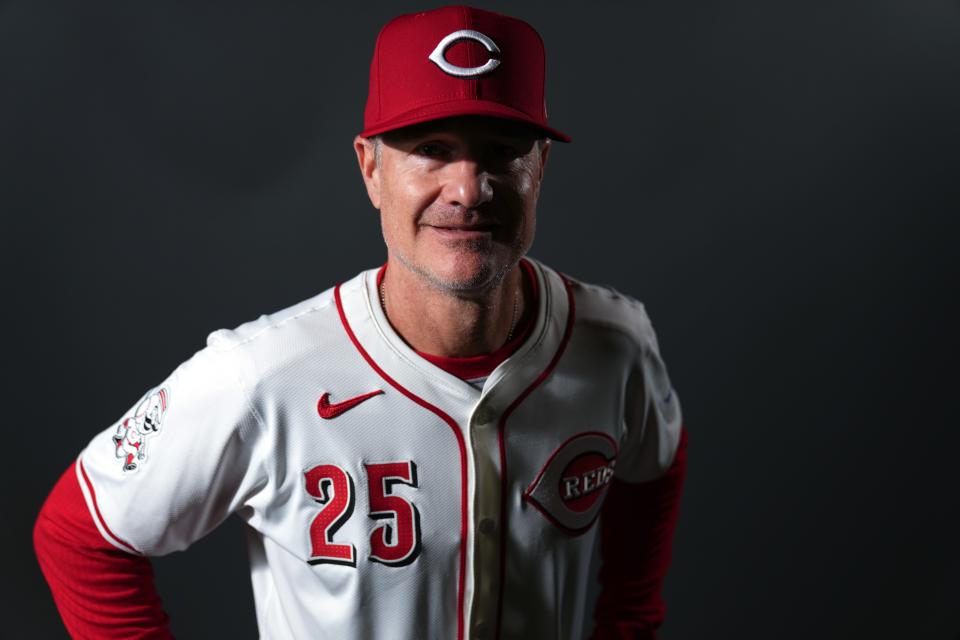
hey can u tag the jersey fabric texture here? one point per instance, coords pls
(383, 496)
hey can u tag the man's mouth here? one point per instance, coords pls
(463, 231)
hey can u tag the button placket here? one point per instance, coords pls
(486, 504)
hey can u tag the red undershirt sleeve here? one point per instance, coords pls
(100, 591)
(637, 524)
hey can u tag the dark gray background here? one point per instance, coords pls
(777, 182)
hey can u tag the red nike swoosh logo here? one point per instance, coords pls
(328, 411)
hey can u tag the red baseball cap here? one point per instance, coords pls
(456, 61)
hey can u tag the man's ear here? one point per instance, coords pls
(544, 154)
(367, 158)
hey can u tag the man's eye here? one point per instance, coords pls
(431, 150)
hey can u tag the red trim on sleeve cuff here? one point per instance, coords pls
(105, 530)
(100, 591)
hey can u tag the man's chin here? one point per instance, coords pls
(468, 274)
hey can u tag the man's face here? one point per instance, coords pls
(457, 197)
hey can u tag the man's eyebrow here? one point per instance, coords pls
(395, 138)
(503, 130)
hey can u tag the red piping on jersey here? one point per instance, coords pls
(571, 312)
(103, 523)
(461, 583)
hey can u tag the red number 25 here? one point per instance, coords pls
(394, 542)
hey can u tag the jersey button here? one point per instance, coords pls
(487, 526)
(483, 416)
(481, 631)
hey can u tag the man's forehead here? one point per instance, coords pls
(476, 127)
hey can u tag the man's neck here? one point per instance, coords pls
(441, 323)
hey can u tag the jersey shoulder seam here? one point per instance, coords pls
(628, 315)
(260, 331)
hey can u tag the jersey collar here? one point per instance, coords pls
(360, 309)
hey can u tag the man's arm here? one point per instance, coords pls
(119, 505)
(637, 523)
(639, 514)
(100, 591)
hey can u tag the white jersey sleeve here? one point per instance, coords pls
(182, 459)
(652, 416)
(650, 408)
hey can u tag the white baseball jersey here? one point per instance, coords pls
(385, 497)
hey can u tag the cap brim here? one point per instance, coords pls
(460, 108)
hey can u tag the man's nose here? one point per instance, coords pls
(467, 183)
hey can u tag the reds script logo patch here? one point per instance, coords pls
(132, 433)
(569, 489)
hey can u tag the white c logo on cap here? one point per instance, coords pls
(438, 55)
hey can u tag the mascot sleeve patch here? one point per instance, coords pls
(136, 431)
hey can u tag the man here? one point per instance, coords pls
(422, 451)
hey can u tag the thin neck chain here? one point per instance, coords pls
(513, 316)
